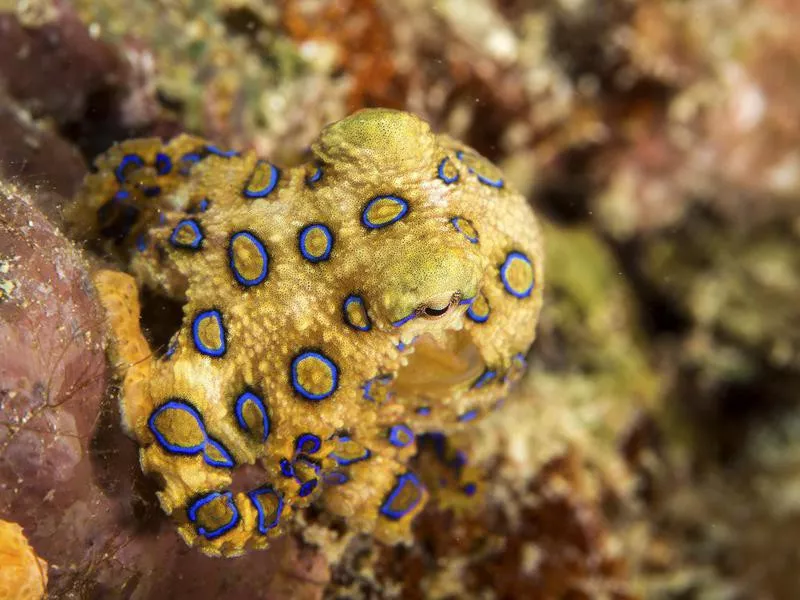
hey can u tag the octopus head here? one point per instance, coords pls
(425, 288)
(419, 281)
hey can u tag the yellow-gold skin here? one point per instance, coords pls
(333, 312)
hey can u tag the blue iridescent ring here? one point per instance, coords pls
(467, 416)
(335, 478)
(355, 313)
(485, 378)
(188, 160)
(318, 254)
(319, 360)
(241, 403)
(441, 172)
(307, 443)
(287, 468)
(475, 308)
(253, 273)
(263, 525)
(214, 453)
(408, 482)
(163, 164)
(344, 461)
(208, 498)
(404, 320)
(399, 206)
(261, 189)
(163, 441)
(495, 183)
(314, 177)
(211, 149)
(196, 233)
(307, 488)
(367, 385)
(465, 228)
(203, 317)
(223, 460)
(128, 161)
(401, 436)
(527, 285)
(476, 317)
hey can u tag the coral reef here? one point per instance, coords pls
(650, 451)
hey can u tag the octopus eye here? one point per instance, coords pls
(437, 309)
(435, 313)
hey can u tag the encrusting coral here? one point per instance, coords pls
(331, 313)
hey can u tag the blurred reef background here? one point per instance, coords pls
(653, 449)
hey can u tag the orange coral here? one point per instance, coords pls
(24, 575)
(364, 42)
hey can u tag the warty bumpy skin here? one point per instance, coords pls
(332, 314)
